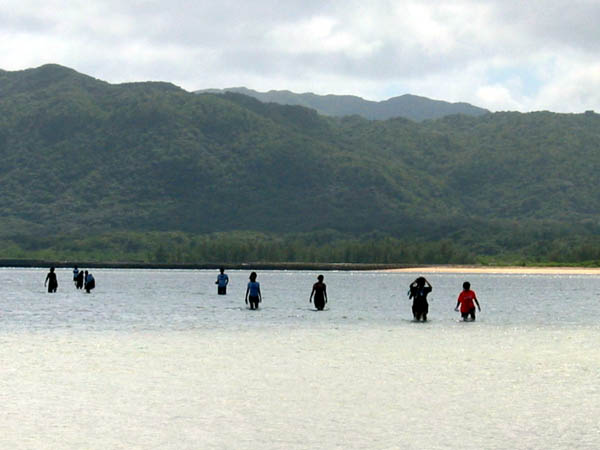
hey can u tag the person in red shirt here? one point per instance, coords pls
(467, 301)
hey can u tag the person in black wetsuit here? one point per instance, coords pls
(418, 291)
(79, 281)
(51, 281)
(319, 291)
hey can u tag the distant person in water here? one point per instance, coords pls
(253, 294)
(80, 280)
(418, 291)
(51, 281)
(319, 291)
(75, 274)
(467, 301)
(222, 282)
(90, 282)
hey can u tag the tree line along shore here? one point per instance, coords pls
(241, 266)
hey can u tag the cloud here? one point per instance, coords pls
(538, 54)
(578, 87)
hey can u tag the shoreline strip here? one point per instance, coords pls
(388, 268)
(517, 270)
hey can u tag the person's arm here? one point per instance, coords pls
(247, 290)
(311, 294)
(410, 289)
(457, 304)
(477, 303)
(47, 276)
(226, 280)
(259, 295)
(325, 293)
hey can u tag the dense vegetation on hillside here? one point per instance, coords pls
(408, 106)
(150, 172)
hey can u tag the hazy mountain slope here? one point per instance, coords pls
(519, 166)
(81, 153)
(408, 106)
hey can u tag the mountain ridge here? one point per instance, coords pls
(409, 106)
(82, 157)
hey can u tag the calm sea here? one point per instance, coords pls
(155, 359)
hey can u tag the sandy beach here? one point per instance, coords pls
(501, 270)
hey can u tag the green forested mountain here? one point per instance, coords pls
(411, 107)
(150, 171)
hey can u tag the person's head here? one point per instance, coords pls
(466, 285)
(253, 276)
(420, 282)
(221, 270)
(320, 278)
(51, 269)
(86, 272)
(75, 267)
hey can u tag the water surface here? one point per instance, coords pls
(155, 359)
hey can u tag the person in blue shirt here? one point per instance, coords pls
(253, 294)
(222, 282)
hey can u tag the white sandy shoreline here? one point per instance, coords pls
(501, 270)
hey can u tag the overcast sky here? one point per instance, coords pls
(499, 54)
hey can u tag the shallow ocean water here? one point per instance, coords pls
(155, 359)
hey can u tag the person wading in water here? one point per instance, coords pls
(319, 291)
(418, 291)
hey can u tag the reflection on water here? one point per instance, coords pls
(157, 359)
